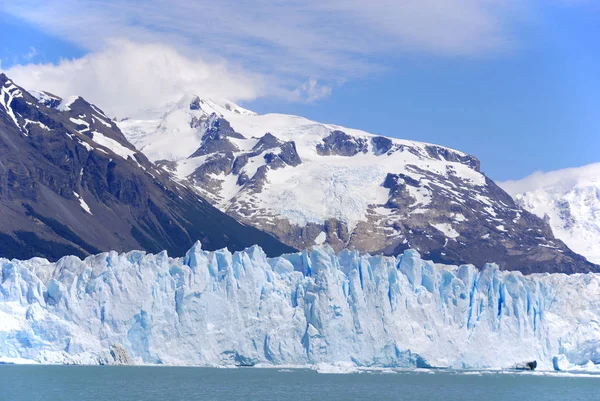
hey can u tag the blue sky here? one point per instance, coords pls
(517, 86)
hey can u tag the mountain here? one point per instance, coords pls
(314, 307)
(569, 200)
(71, 183)
(309, 183)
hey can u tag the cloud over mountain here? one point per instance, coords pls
(304, 48)
(126, 77)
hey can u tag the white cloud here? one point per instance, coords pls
(557, 180)
(126, 77)
(305, 37)
(280, 47)
(311, 91)
(30, 54)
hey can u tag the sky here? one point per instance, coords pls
(514, 82)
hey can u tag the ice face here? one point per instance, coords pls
(310, 308)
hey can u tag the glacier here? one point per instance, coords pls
(306, 309)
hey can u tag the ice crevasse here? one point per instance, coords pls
(313, 307)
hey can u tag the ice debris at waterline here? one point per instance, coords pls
(309, 308)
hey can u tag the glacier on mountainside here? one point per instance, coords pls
(309, 308)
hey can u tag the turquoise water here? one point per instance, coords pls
(80, 383)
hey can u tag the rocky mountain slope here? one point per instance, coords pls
(70, 183)
(309, 183)
(569, 200)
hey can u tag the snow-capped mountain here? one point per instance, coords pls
(569, 200)
(71, 183)
(309, 183)
(218, 308)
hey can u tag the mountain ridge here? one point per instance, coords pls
(309, 183)
(71, 183)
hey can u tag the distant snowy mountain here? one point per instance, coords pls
(569, 200)
(310, 183)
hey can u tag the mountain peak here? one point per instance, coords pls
(311, 183)
(569, 200)
(193, 102)
(189, 101)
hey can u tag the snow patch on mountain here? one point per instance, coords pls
(82, 203)
(65, 104)
(113, 145)
(570, 200)
(8, 92)
(320, 240)
(39, 124)
(447, 229)
(44, 98)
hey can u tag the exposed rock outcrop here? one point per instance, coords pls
(116, 355)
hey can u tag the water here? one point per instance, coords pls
(79, 383)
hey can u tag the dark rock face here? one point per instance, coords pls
(274, 161)
(220, 128)
(242, 179)
(289, 154)
(239, 163)
(195, 104)
(341, 144)
(268, 141)
(258, 181)
(52, 172)
(215, 138)
(381, 145)
(441, 153)
(399, 196)
(215, 145)
(216, 164)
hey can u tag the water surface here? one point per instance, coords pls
(83, 383)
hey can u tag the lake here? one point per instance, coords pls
(115, 383)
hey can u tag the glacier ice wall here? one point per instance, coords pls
(218, 308)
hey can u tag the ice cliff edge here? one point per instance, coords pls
(219, 308)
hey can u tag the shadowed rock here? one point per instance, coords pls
(341, 144)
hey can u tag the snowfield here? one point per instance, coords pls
(313, 308)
